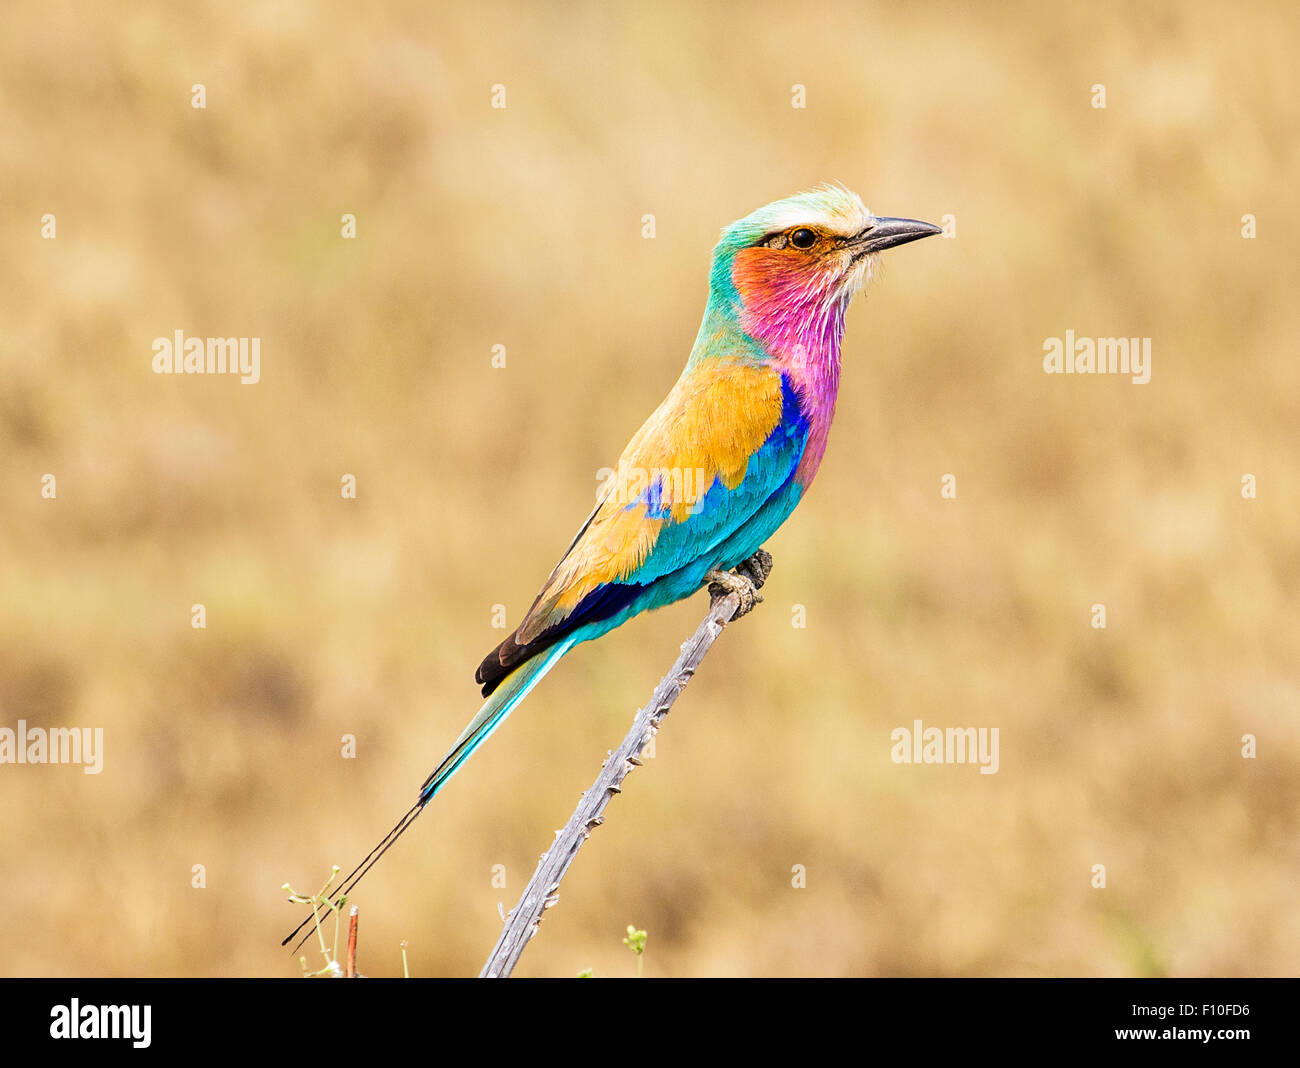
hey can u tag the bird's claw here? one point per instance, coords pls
(745, 581)
(757, 568)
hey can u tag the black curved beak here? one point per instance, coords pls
(886, 233)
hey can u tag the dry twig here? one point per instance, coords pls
(542, 891)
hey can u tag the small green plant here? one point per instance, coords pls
(635, 941)
(332, 968)
(321, 904)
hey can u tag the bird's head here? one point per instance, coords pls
(790, 269)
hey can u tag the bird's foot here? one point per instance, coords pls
(757, 568)
(745, 581)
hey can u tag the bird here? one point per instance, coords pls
(717, 467)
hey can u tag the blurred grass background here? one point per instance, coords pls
(522, 227)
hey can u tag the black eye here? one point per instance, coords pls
(803, 238)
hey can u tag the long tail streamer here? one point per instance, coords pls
(488, 718)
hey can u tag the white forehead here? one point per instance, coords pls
(830, 207)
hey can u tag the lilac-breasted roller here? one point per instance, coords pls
(719, 465)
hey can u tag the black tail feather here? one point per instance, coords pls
(359, 872)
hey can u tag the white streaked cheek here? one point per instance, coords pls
(857, 276)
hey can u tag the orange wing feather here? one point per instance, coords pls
(710, 424)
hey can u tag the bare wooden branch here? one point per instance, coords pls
(542, 891)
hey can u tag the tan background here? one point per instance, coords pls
(522, 227)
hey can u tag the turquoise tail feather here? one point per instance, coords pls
(513, 689)
(517, 685)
